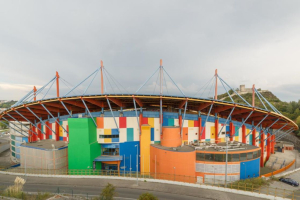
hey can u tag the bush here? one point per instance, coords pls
(108, 192)
(147, 196)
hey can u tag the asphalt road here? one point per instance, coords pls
(125, 189)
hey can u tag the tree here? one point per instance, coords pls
(147, 196)
(3, 125)
(108, 192)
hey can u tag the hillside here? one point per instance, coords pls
(7, 104)
(288, 109)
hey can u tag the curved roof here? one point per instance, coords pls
(95, 103)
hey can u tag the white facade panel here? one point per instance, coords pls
(109, 122)
(123, 135)
(192, 134)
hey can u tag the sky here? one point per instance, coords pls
(249, 42)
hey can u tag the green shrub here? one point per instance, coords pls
(108, 192)
(147, 196)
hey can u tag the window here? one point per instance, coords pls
(235, 157)
(255, 154)
(259, 153)
(200, 156)
(209, 157)
(108, 136)
(219, 157)
(110, 151)
(250, 156)
(243, 156)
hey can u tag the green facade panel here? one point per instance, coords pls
(83, 147)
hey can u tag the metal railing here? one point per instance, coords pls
(250, 187)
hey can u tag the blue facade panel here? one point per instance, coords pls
(165, 121)
(249, 169)
(128, 151)
(114, 139)
(114, 131)
(151, 114)
(152, 134)
(61, 138)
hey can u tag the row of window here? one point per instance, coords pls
(110, 151)
(231, 157)
(108, 136)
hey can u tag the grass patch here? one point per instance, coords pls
(249, 184)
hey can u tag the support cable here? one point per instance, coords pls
(267, 129)
(234, 91)
(173, 82)
(112, 114)
(244, 122)
(226, 121)
(206, 84)
(257, 125)
(80, 83)
(261, 100)
(48, 89)
(137, 118)
(148, 79)
(207, 116)
(226, 91)
(90, 82)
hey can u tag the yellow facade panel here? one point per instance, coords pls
(107, 131)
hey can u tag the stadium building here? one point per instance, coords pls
(157, 135)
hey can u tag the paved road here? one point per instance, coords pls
(125, 189)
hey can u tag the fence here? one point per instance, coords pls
(278, 192)
(280, 170)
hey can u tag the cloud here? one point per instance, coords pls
(249, 42)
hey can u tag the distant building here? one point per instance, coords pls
(244, 90)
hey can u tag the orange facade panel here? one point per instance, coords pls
(181, 164)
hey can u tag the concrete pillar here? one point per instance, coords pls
(262, 147)
(244, 134)
(253, 137)
(232, 130)
(268, 146)
(216, 130)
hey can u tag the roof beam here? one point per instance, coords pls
(237, 112)
(138, 101)
(204, 105)
(115, 101)
(75, 103)
(182, 103)
(95, 102)
(223, 108)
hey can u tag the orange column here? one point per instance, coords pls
(34, 138)
(268, 146)
(262, 147)
(39, 132)
(30, 134)
(244, 134)
(47, 131)
(253, 137)
(57, 131)
(180, 123)
(231, 128)
(200, 127)
(216, 131)
(273, 144)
